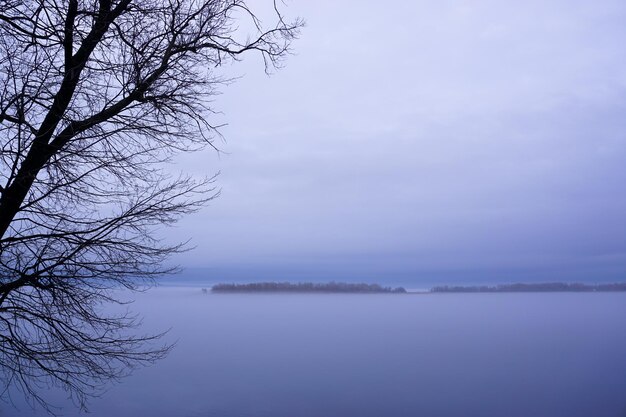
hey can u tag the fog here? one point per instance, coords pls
(285, 355)
(440, 141)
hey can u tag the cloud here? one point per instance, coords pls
(484, 137)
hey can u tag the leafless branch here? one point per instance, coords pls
(95, 96)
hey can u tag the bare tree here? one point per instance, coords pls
(95, 96)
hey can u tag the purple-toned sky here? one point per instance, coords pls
(425, 141)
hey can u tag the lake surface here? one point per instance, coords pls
(344, 355)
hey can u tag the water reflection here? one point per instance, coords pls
(313, 355)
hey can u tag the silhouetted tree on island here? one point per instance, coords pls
(539, 287)
(95, 95)
(337, 287)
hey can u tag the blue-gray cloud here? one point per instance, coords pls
(441, 139)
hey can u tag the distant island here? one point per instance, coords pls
(362, 288)
(540, 287)
(330, 287)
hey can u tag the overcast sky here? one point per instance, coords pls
(429, 141)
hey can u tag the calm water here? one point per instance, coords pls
(527, 355)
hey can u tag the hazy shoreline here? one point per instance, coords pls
(306, 287)
(537, 287)
(364, 288)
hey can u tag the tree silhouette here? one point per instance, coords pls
(95, 96)
(333, 287)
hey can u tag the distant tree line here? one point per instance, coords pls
(330, 287)
(540, 287)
